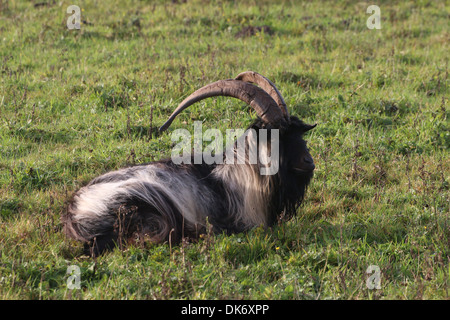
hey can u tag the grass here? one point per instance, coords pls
(77, 103)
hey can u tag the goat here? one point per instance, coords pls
(164, 201)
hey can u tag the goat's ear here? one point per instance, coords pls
(309, 127)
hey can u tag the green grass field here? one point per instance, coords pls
(77, 103)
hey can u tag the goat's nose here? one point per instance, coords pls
(308, 160)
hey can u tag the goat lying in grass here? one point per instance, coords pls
(165, 201)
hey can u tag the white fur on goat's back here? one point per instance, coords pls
(93, 203)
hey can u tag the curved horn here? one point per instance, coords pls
(257, 98)
(268, 86)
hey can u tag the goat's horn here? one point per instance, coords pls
(257, 98)
(268, 86)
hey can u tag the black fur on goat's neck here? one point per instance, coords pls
(290, 185)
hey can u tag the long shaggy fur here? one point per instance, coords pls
(162, 201)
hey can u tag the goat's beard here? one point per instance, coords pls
(292, 187)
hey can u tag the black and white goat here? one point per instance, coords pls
(164, 201)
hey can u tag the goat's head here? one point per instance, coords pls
(271, 108)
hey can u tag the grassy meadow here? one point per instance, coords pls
(77, 103)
